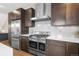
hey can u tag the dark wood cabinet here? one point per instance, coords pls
(24, 43)
(14, 15)
(17, 14)
(29, 14)
(72, 14)
(26, 23)
(65, 13)
(60, 48)
(58, 13)
(72, 49)
(55, 48)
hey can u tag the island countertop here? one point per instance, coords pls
(5, 50)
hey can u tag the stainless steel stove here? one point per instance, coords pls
(37, 43)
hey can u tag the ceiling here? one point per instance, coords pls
(7, 7)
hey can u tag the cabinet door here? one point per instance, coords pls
(72, 13)
(14, 15)
(72, 49)
(24, 29)
(55, 48)
(58, 13)
(17, 14)
(24, 43)
(29, 14)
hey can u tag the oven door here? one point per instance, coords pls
(41, 46)
(33, 44)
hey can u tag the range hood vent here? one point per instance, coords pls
(41, 12)
(43, 18)
(40, 9)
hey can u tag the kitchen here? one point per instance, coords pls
(45, 29)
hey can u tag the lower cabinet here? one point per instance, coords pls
(72, 49)
(55, 48)
(24, 43)
(59, 48)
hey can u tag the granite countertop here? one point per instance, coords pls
(66, 39)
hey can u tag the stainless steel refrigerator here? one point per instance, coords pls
(15, 33)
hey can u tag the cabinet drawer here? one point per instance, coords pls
(57, 43)
(55, 48)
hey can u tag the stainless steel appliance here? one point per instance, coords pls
(42, 43)
(33, 44)
(37, 44)
(15, 33)
(40, 10)
(41, 46)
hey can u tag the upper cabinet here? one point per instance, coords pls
(72, 14)
(58, 13)
(64, 14)
(29, 14)
(17, 14)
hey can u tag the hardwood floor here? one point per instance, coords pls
(15, 51)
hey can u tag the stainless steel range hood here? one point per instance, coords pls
(43, 18)
(41, 12)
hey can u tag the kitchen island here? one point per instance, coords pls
(5, 50)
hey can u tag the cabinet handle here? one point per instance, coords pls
(67, 49)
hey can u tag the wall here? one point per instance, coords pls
(4, 15)
(3, 23)
(3, 36)
(65, 31)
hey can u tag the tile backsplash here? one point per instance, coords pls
(66, 31)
